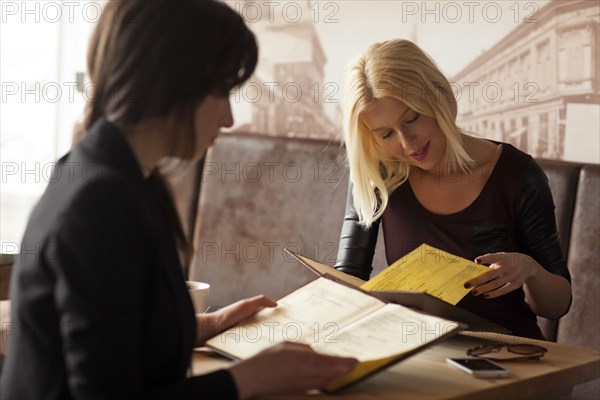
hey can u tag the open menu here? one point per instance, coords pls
(427, 279)
(334, 318)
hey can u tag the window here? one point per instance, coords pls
(42, 52)
(574, 57)
(544, 137)
(543, 65)
(524, 145)
(525, 61)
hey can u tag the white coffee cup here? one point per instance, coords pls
(199, 294)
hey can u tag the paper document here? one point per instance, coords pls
(311, 315)
(340, 320)
(429, 270)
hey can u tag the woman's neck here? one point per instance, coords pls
(482, 151)
(148, 143)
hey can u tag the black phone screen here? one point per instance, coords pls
(476, 364)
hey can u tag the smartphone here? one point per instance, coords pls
(479, 367)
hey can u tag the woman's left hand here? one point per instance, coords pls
(212, 324)
(508, 272)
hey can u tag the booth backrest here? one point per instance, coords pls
(576, 192)
(258, 196)
(563, 179)
(581, 325)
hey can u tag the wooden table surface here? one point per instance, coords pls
(428, 376)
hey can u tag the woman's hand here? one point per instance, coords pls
(212, 324)
(548, 294)
(508, 272)
(288, 367)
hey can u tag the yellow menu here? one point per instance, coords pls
(427, 279)
(425, 269)
(430, 270)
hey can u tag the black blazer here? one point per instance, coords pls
(99, 300)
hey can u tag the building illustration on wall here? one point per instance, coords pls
(287, 92)
(538, 88)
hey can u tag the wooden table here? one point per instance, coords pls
(428, 376)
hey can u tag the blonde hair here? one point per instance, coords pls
(398, 69)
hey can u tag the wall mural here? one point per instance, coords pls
(523, 72)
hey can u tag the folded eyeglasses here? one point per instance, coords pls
(518, 351)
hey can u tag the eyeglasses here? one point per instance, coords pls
(524, 351)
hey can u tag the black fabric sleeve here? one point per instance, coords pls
(357, 244)
(218, 385)
(537, 232)
(98, 256)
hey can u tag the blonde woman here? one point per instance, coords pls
(415, 171)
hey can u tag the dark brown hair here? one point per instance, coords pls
(161, 58)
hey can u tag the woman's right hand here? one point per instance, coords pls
(287, 368)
